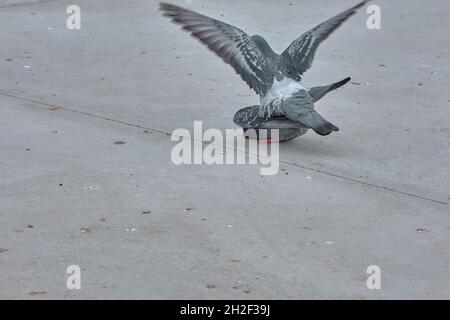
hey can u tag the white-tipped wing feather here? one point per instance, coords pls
(233, 45)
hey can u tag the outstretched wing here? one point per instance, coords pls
(233, 45)
(300, 54)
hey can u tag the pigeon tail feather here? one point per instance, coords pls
(318, 93)
(316, 122)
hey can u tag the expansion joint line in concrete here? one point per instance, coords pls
(286, 162)
(24, 3)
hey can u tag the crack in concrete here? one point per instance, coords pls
(286, 162)
(23, 3)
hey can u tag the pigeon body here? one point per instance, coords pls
(274, 77)
(250, 118)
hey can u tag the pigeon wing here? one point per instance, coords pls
(233, 45)
(298, 57)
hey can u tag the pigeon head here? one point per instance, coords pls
(263, 45)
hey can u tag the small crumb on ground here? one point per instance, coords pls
(86, 230)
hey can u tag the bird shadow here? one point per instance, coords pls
(309, 146)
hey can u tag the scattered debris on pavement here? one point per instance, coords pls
(86, 230)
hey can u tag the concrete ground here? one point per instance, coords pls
(375, 193)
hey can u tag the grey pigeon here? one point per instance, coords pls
(284, 102)
(249, 118)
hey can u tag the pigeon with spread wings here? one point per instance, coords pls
(274, 77)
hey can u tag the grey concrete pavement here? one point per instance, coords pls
(376, 193)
